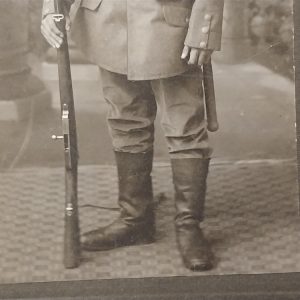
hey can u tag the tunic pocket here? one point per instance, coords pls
(90, 4)
(176, 15)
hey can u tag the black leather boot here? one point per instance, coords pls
(135, 224)
(189, 176)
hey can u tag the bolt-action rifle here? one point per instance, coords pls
(71, 230)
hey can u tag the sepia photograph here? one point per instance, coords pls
(147, 145)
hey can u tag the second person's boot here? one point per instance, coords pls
(135, 224)
(189, 176)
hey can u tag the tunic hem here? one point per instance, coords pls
(140, 77)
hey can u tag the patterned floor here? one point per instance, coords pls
(251, 220)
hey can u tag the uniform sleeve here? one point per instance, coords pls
(48, 6)
(205, 25)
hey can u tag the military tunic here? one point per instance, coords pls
(144, 38)
(138, 46)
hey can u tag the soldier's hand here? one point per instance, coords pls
(196, 56)
(51, 32)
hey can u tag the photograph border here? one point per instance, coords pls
(262, 286)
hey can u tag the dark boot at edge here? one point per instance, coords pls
(135, 225)
(189, 176)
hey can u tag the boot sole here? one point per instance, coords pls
(125, 244)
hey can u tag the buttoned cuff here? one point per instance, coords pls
(205, 30)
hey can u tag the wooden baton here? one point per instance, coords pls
(209, 95)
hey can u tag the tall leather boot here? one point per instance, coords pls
(135, 223)
(189, 176)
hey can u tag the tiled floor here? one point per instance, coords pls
(251, 220)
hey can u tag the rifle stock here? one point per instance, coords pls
(71, 257)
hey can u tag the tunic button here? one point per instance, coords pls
(187, 20)
(207, 17)
(203, 45)
(205, 29)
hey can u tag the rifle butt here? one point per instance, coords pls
(71, 258)
(72, 255)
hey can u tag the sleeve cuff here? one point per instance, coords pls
(210, 41)
(205, 28)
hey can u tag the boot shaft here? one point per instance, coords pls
(135, 186)
(189, 178)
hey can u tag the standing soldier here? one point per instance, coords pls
(148, 52)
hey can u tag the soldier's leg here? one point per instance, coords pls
(181, 101)
(132, 110)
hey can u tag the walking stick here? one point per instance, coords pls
(210, 100)
(71, 257)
